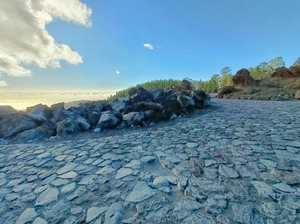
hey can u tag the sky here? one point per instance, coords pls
(115, 44)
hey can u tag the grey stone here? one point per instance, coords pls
(59, 182)
(28, 215)
(228, 172)
(48, 196)
(76, 210)
(172, 179)
(123, 172)
(58, 209)
(161, 181)
(105, 170)
(284, 187)
(216, 205)
(88, 179)
(185, 208)
(263, 189)
(198, 219)
(39, 220)
(94, 212)
(148, 159)
(134, 164)
(68, 167)
(245, 214)
(69, 175)
(68, 188)
(268, 163)
(114, 214)
(140, 192)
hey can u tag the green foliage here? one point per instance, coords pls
(264, 70)
(151, 85)
(216, 82)
(226, 77)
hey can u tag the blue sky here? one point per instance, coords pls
(192, 38)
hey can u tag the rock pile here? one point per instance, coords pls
(141, 108)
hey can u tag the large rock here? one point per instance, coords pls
(296, 70)
(14, 124)
(71, 125)
(80, 109)
(157, 94)
(5, 110)
(185, 101)
(282, 72)
(39, 113)
(45, 131)
(118, 105)
(134, 118)
(225, 90)
(144, 106)
(170, 104)
(243, 78)
(93, 118)
(108, 121)
(139, 94)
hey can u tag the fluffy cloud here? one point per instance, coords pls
(118, 72)
(3, 83)
(149, 46)
(24, 39)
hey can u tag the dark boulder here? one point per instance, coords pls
(170, 104)
(225, 90)
(158, 94)
(80, 109)
(296, 70)
(185, 101)
(139, 94)
(118, 105)
(71, 125)
(243, 78)
(93, 118)
(6, 110)
(201, 98)
(108, 121)
(66, 127)
(14, 124)
(143, 106)
(282, 72)
(45, 131)
(39, 113)
(134, 118)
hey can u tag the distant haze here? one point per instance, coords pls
(20, 100)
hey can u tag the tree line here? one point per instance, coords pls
(216, 82)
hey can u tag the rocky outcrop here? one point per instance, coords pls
(295, 70)
(282, 72)
(141, 108)
(14, 124)
(243, 78)
(225, 90)
(5, 110)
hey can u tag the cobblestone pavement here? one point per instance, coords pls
(239, 162)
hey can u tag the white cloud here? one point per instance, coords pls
(3, 83)
(118, 72)
(24, 39)
(149, 46)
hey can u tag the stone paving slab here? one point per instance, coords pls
(236, 162)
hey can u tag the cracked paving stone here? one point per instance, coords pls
(228, 172)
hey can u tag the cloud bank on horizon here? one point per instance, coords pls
(24, 39)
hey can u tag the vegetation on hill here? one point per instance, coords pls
(216, 82)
